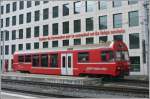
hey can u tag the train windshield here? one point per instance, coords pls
(122, 56)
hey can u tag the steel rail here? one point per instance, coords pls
(144, 83)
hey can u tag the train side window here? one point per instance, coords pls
(35, 60)
(27, 58)
(83, 57)
(107, 56)
(21, 58)
(54, 60)
(44, 60)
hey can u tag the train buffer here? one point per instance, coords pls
(52, 79)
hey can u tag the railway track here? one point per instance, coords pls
(129, 82)
(37, 93)
(46, 88)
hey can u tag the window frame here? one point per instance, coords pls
(89, 24)
(54, 65)
(28, 58)
(21, 58)
(116, 20)
(55, 11)
(45, 13)
(87, 58)
(65, 13)
(28, 18)
(77, 25)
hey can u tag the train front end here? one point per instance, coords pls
(122, 59)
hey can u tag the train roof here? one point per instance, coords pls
(104, 45)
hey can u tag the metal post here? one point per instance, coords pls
(147, 41)
(0, 55)
(3, 54)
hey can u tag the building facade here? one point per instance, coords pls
(40, 25)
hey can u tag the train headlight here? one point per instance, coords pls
(118, 68)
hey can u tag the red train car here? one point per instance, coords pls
(104, 59)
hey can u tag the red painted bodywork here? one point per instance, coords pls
(94, 66)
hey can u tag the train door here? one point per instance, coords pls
(66, 64)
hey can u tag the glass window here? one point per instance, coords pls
(35, 60)
(90, 6)
(7, 22)
(122, 56)
(28, 46)
(45, 30)
(117, 20)
(65, 9)
(103, 39)
(1, 51)
(29, 3)
(21, 6)
(45, 13)
(54, 60)
(77, 7)
(118, 37)
(83, 57)
(13, 49)
(1, 23)
(6, 35)
(103, 22)
(37, 3)
(89, 24)
(7, 8)
(27, 58)
(28, 32)
(20, 47)
(1, 36)
(36, 45)
(69, 61)
(45, 1)
(29, 17)
(20, 33)
(133, 18)
(102, 5)
(65, 42)
(90, 40)
(65, 27)
(2, 9)
(36, 31)
(54, 43)
(77, 41)
(45, 44)
(13, 20)
(55, 28)
(135, 63)
(55, 11)
(20, 58)
(21, 19)
(37, 15)
(117, 3)
(6, 49)
(44, 60)
(13, 34)
(14, 7)
(107, 56)
(132, 2)
(134, 41)
(77, 26)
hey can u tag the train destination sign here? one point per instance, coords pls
(79, 35)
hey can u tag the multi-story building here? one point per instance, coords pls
(39, 25)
